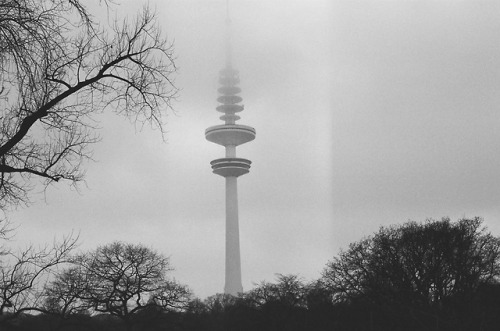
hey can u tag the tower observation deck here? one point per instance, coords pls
(230, 167)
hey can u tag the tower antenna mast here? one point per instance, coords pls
(228, 36)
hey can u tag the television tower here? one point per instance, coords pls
(230, 167)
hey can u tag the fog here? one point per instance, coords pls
(367, 113)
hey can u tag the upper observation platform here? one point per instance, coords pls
(230, 134)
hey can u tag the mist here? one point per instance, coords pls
(368, 113)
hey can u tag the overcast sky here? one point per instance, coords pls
(367, 113)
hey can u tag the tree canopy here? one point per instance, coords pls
(119, 279)
(436, 268)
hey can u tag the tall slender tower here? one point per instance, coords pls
(230, 167)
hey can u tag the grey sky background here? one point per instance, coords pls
(368, 113)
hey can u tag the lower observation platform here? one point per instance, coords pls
(230, 134)
(231, 167)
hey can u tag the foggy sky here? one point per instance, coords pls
(368, 113)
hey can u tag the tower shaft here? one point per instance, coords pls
(233, 283)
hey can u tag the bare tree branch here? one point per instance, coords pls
(58, 68)
(21, 275)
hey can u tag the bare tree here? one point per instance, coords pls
(121, 276)
(431, 271)
(65, 294)
(118, 279)
(58, 69)
(171, 296)
(220, 303)
(21, 275)
(289, 291)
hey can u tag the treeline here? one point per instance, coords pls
(436, 275)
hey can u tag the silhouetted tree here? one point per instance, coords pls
(171, 296)
(21, 275)
(58, 69)
(281, 305)
(65, 295)
(118, 279)
(321, 314)
(289, 291)
(431, 272)
(220, 302)
(224, 312)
